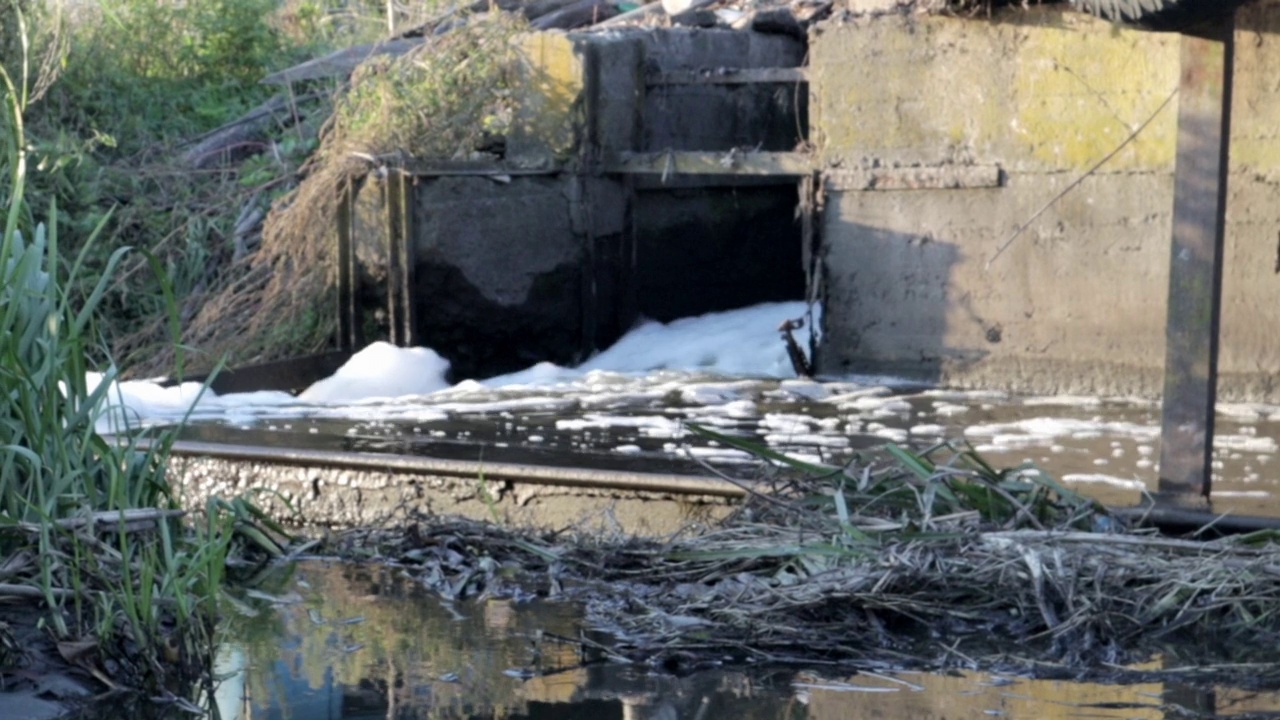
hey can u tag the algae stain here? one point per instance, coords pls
(1079, 95)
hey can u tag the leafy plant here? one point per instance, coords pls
(90, 523)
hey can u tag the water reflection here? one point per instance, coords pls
(350, 642)
(347, 642)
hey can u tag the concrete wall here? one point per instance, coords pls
(709, 243)
(503, 271)
(553, 258)
(715, 118)
(1076, 303)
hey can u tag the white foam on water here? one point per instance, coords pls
(1043, 430)
(734, 342)
(786, 423)
(928, 430)
(946, 409)
(728, 414)
(648, 425)
(541, 403)
(726, 370)
(712, 454)
(809, 389)
(1100, 479)
(716, 393)
(1246, 412)
(742, 342)
(132, 404)
(807, 439)
(1245, 443)
(851, 395)
(382, 370)
(877, 406)
(1076, 401)
(896, 435)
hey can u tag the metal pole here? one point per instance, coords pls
(1195, 266)
(348, 321)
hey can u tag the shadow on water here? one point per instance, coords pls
(335, 641)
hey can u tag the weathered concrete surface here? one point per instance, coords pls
(1250, 351)
(545, 127)
(500, 267)
(503, 268)
(701, 248)
(336, 498)
(770, 117)
(916, 282)
(551, 259)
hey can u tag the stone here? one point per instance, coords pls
(696, 18)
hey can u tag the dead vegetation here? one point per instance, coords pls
(933, 560)
(436, 100)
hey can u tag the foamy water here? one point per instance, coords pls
(383, 381)
(728, 371)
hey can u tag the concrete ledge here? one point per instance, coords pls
(941, 177)
(359, 494)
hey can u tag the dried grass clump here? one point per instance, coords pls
(435, 102)
(902, 558)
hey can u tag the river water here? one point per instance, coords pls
(348, 642)
(629, 407)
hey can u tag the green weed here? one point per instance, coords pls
(90, 523)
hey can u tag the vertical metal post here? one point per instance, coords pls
(1195, 266)
(810, 252)
(348, 326)
(409, 258)
(400, 259)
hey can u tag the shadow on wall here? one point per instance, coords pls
(886, 300)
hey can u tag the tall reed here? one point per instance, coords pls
(90, 522)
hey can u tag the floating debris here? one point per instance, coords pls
(930, 559)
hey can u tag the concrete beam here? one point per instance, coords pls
(732, 162)
(1195, 267)
(729, 76)
(941, 177)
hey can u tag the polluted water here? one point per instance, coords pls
(334, 641)
(629, 407)
(342, 641)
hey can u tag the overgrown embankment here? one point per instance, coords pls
(150, 125)
(123, 93)
(440, 100)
